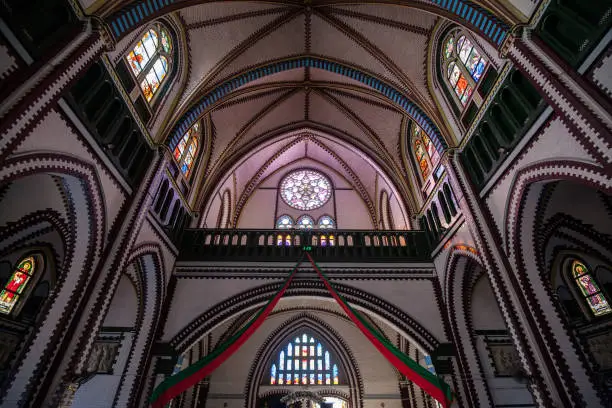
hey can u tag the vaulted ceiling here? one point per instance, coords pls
(225, 40)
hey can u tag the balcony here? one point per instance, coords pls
(287, 245)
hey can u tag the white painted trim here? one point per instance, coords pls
(595, 53)
(15, 43)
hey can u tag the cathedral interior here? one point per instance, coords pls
(305, 203)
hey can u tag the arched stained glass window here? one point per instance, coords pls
(17, 284)
(326, 222)
(303, 365)
(150, 60)
(463, 65)
(305, 189)
(273, 374)
(305, 222)
(284, 222)
(425, 151)
(186, 150)
(590, 289)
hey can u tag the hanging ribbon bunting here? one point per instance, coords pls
(174, 385)
(416, 373)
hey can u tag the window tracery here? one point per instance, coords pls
(463, 66)
(186, 150)
(150, 60)
(15, 288)
(326, 222)
(284, 222)
(305, 189)
(425, 152)
(305, 222)
(589, 289)
(306, 362)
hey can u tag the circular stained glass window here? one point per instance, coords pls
(305, 189)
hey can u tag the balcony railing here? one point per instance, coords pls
(287, 245)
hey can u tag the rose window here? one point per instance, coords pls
(305, 189)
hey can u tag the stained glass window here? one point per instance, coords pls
(425, 151)
(590, 289)
(465, 65)
(326, 222)
(309, 368)
(305, 189)
(15, 287)
(273, 374)
(284, 222)
(305, 222)
(149, 60)
(187, 148)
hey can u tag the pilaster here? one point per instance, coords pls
(499, 271)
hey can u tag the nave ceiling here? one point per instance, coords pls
(223, 40)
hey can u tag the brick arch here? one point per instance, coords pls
(327, 334)
(151, 284)
(459, 276)
(85, 232)
(255, 297)
(523, 240)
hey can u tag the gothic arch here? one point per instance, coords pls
(256, 297)
(324, 332)
(151, 283)
(462, 269)
(563, 352)
(84, 230)
(218, 94)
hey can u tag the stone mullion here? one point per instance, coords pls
(587, 119)
(498, 271)
(101, 290)
(29, 107)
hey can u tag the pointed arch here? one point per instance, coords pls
(19, 286)
(462, 66)
(285, 333)
(212, 98)
(587, 286)
(151, 61)
(425, 154)
(186, 151)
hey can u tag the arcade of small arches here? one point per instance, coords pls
(164, 169)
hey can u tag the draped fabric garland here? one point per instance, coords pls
(415, 372)
(174, 385)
